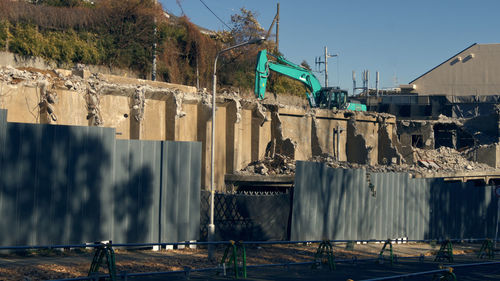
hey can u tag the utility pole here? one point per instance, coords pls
(318, 61)
(153, 70)
(278, 27)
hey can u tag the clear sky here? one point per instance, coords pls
(400, 39)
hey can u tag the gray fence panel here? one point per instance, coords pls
(121, 176)
(350, 199)
(193, 199)
(305, 214)
(353, 187)
(26, 192)
(152, 155)
(170, 201)
(324, 203)
(339, 214)
(402, 207)
(69, 184)
(136, 191)
(180, 218)
(97, 167)
(106, 190)
(367, 213)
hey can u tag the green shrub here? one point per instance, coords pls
(62, 47)
(4, 34)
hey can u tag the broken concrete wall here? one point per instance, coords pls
(484, 127)
(487, 154)
(414, 134)
(329, 135)
(291, 132)
(261, 133)
(389, 145)
(246, 130)
(362, 142)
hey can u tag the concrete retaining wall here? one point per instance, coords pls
(245, 130)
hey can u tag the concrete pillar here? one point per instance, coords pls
(170, 120)
(233, 136)
(261, 134)
(204, 131)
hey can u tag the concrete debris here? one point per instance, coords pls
(277, 165)
(261, 113)
(47, 101)
(15, 76)
(443, 160)
(139, 102)
(446, 160)
(93, 102)
(238, 109)
(279, 144)
(69, 84)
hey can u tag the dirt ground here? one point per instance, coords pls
(56, 264)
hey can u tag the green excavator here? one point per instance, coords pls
(322, 97)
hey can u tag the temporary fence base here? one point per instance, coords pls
(231, 254)
(104, 249)
(445, 252)
(391, 253)
(487, 250)
(324, 252)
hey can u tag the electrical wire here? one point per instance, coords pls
(215, 14)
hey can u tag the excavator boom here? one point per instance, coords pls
(287, 68)
(318, 97)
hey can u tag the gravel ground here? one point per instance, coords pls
(55, 264)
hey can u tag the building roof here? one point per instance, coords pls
(451, 58)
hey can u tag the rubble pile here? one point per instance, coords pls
(429, 161)
(445, 159)
(277, 165)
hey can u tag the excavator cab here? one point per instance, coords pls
(332, 98)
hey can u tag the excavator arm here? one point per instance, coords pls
(287, 68)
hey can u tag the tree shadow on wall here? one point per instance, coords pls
(461, 210)
(133, 204)
(51, 182)
(318, 202)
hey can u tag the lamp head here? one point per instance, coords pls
(259, 40)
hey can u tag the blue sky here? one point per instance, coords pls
(400, 39)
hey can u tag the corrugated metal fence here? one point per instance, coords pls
(341, 204)
(68, 184)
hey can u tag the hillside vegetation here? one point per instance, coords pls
(123, 33)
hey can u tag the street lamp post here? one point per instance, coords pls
(211, 226)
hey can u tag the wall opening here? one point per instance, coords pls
(417, 141)
(445, 135)
(451, 135)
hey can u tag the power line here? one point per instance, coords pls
(215, 14)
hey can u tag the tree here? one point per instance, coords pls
(245, 26)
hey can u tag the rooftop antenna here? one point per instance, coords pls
(365, 78)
